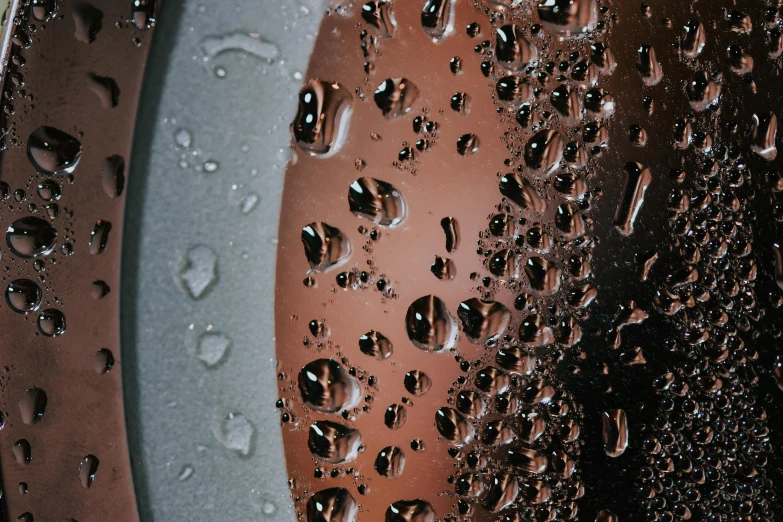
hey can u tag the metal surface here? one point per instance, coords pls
(82, 414)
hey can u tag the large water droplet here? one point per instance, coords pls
(543, 275)
(467, 144)
(702, 91)
(32, 406)
(568, 17)
(31, 237)
(648, 66)
(417, 382)
(376, 201)
(87, 21)
(197, 270)
(395, 416)
(106, 89)
(99, 237)
(436, 18)
(522, 193)
(380, 16)
(23, 296)
(543, 151)
(44, 10)
(693, 39)
(396, 96)
(331, 505)
(483, 321)
(514, 90)
(444, 268)
(327, 387)
(637, 179)
(143, 14)
(450, 227)
(376, 345)
(321, 120)
(453, 426)
(23, 452)
(333, 442)
(235, 432)
(88, 467)
(53, 152)
(410, 511)
(211, 347)
(430, 325)
(515, 360)
(51, 322)
(502, 493)
(325, 246)
(615, 432)
(470, 403)
(765, 130)
(512, 50)
(390, 462)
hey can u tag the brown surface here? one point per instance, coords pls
(84, 414)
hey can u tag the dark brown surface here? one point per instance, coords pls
(84, 415)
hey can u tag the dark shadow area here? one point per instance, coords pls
(169, 20)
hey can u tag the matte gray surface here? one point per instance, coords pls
(236, 106)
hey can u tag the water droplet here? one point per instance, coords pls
(455, 64)
(51, 322)
(53, 152)
(380, 16)
(325, 246)
(331, 505)
(514, 90)
(637, 135)
(453, 426)
(543, 275)
(248, 203)
(395, 416)
(637, 179)
(444, 268)
(99, 237)
(105, 88)
(483, 321)
(23, 296)
(512, 50)
(321, 120)
(44, 10)
(143, 14)
(568, 17)
(436, 18)
(396, 96)
(470, 403)
(103, 361)
(99, 289)
(543, 151)
(88, 467)
(765, 130)
(32, 406)
(235, 432)
(535, 332)
(390, 462)
(492, 381)
(515, 360)
(606, 516)
(615, 432)
(467, 144)
(460, 102)
(211, 347)
(49, 190)
(376, 345)
(451, 229)
(376, 201)
(430, 325)
(185, 473)
(503, 492)
(113, 179)
(197, 270)
(87, 21)
(417, 382)
(693, 39)
(569, 221)
(702, 91)
(333, 442)
(410, 511)
(23, 453)
(327, 387)
(563, 99)
(183, 138)
(648, 66)
(519, 191)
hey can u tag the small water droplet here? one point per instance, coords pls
(327, 387)
(87, 21)
(376, 345)
(417, 382)
(453, 426)
(512, 50)
(113, 179)
(430, 326)
(235, 432)
(331, 505)
(248, 203)
(615, 432)
(321, 120)
(99, 237)
(395, 97)
(23, 296)
(637, 180)
(197, 270)
(483, 321)
(211, 347)
(376, 201)
(333, 442)
(103, 361)
(32, 406)
(53, 152)
(467, 144)
(143, 14)
(390, 462)
(106, 89)
(568, 17)
(23, 453)
(436, 18)
(88, 467)
(51, 322)
(380, 16)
